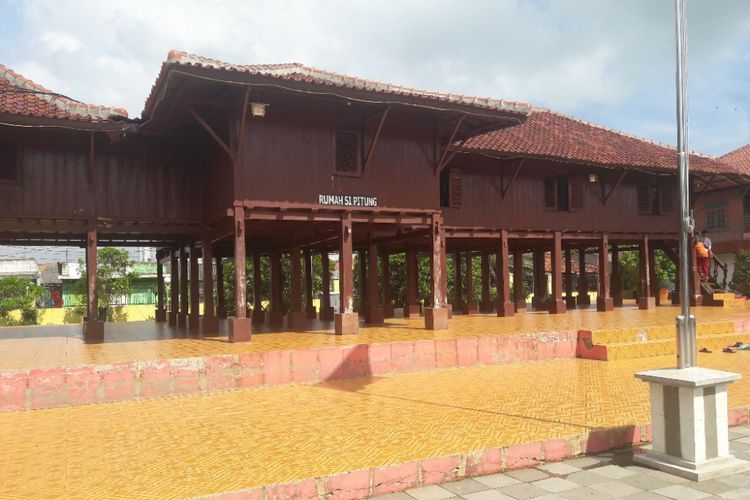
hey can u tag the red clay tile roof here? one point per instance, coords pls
(21, 96)
(739, 158)
(551, 135)
(306, 74)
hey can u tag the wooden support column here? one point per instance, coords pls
(240, 327)
(604, 300)
(457, 304)
(209, 321)
(436, 316)
(616, 277)
(310, 310)
(174, 288)
(297, 317)
(195, 291)
(276, 318)
(411, 308)
(93, 327)
(259, 315)
(326, 311)
(485, 306)
(385, 261)
(652, 275)
(346, 321)
(160, 314)
(470, 307)
(557, 304)
(182, 318)
(504, 305)
(221, 301)
(584, 299)
(375, 310)
(570, 300)
(519, 296)
(646, 300)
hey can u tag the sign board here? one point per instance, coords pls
(347, 200)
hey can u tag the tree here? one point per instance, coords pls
(18, 294)
(114, 276)
(741, 276)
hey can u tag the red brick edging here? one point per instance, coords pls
(38, 388)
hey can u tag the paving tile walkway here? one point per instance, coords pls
(603, 476)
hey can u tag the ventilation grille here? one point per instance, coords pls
(550, 195)
(346, 152)
(644, 199)
(577, 192)
(455, 188)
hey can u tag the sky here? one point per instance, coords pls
(607, 61)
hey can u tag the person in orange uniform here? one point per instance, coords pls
(701, 255)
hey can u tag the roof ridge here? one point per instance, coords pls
(60, 101)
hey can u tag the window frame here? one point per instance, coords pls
(334, 141)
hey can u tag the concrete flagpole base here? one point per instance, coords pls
(689, 416)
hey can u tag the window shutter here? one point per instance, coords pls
(550, 193)
(577, 192)
(346, 152)
(644, 199)
(666, 198)
(455, 188)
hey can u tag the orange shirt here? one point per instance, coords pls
(701, 250)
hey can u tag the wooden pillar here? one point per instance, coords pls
(310, 310)
(174, 288)
(470, 307)
(182, 318)
(557, 304)
(276, 318)
(385, 261)
(485, 306)
(519, 296)
(504, 305)
(297, 317)
(195, 291)
(604, 300)
(457, 288)
(411, 308)
(221, 303)
(570, 300)
(346, 320)
(209, 321)
(584, 299)
(259, 315)
(93, 327)
(374, 310)
(160, 314)
(646, 300)
(240, 327)
(616, 285)
(326, 311)
(652, 275)
(436, 316)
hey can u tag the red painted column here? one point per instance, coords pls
(240, 328)
(174, 288)
(485, 306)
(346, 321)
(570, 300)
(557, 304)
(583, 285)
(505, 306)
(326, 311)
(604, 301)
(616, 278)
(375, 310)
(436, 316)
(221, 305)
(160, 314)
(519, 296)
(276, 319)
(470, 307)
(387, 298)
(195, 291)
(259, 315)
(182, 318)
(646, 300)
(411, 308)
(93, 328)
(209, 321)
(310, 310)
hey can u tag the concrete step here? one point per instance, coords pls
(664, 347)
(644, 334)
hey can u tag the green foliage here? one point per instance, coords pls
(630, 272)
(114, 276)
(741, 276)
(18, 294)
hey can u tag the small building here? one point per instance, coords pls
(22, 268)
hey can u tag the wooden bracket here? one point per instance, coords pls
(505, 189)
(614, 186)
(375, 138)
(706, 185)
(211, 131)
(444, 158)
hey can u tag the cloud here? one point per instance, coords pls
(604, 59)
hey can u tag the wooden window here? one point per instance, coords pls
(577, 192)
(716, 216)
(557, 193)
(451, 188)
(9, 171)
(550, 193)
(644, 199)
(346, 152)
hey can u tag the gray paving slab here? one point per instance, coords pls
(616, 488)
(433, 492)
(556, 484)
(681, 492)
(523, 491)
(497, 480)
(584, 493)
(488, 495)
(559, 468)
(613, 471)
(586, 478)
(528, 475)
(465, 486)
